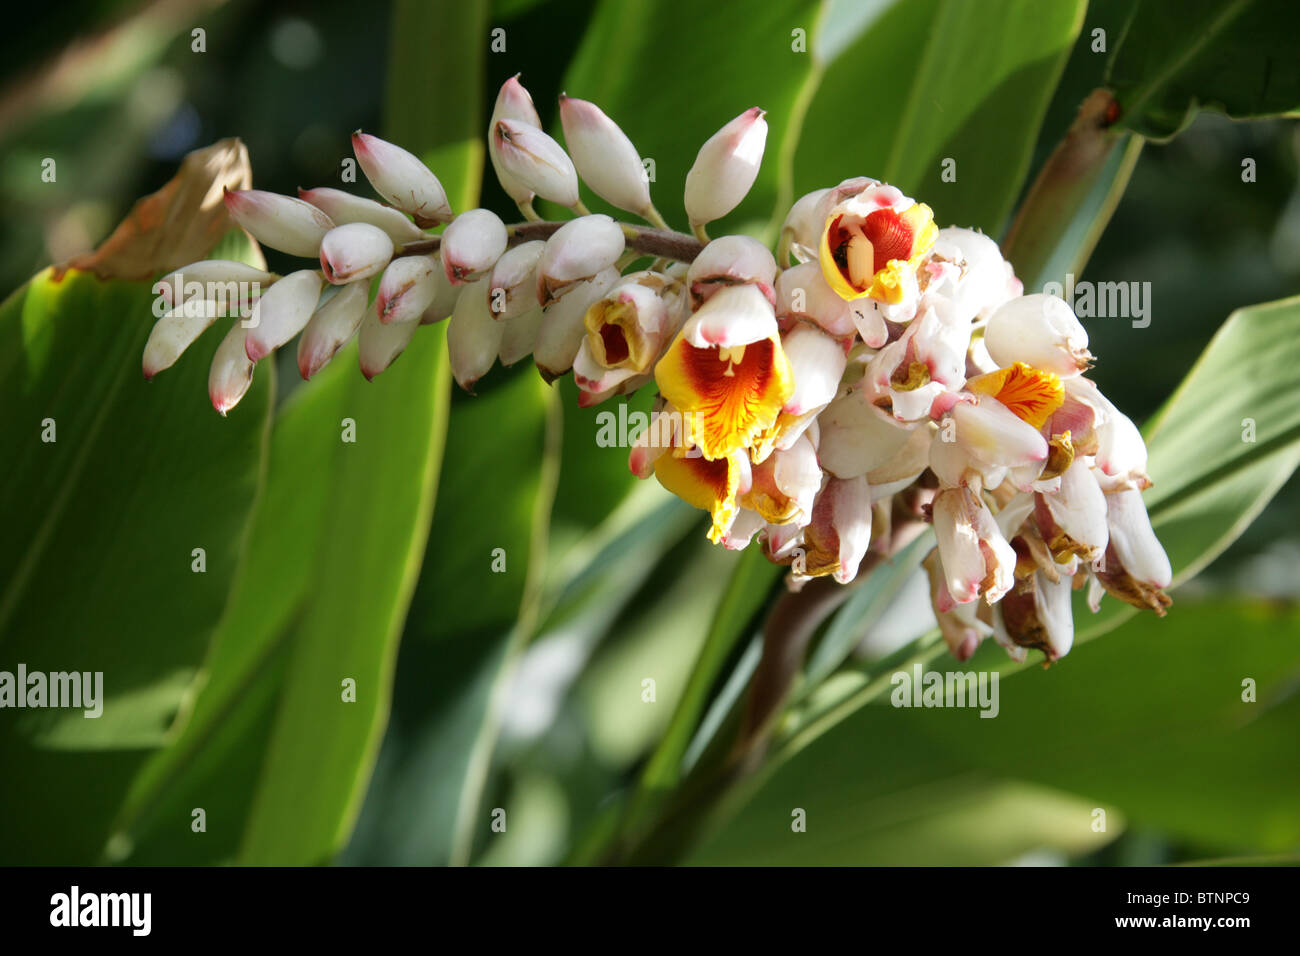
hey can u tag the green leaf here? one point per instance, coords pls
(138, 475)
(380, 498)
(936, 80)
(470, 617)
(216, 760)
(1176, 58)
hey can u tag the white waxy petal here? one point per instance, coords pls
(471, 245)
(975, 556)
(1039, 330)
(725, 168)
(536, 161)
(407, 288)
(231, 373)
(214, 280)
(513, 289)
(281, 222)
(818, 364)
(841, 518)
(402, 179)
(1134, 541)
(331, 327)
(731, 260)
(282, 312)
(803, 225)
(473, 336)
(356, 250)
(513, 103)
(176, 331)
(856, 437)
(1053, 605)
(604, 157)
(344, 207)
(1079, 506)
(563, 325)
(445, 296)
(578, 250)
(803, 293)
(379, 344)
(736, 315)
(520, 336)
(986, 280)
(992, 433)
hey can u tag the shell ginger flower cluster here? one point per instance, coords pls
(877, 374)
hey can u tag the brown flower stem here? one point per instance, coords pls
(660, 243)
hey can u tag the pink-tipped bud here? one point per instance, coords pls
(379, 344)
(444, 297)
(731, 260)
(344, 208)
(282, 312)
(605, 158)
(536, 161)
(726, 168)
(512, 291)
(402, 179)
(175, 332)
(520, 336)
(473, 336)
(513, 103)
(471, 245)
(225, 280)
(231, 373)
(563, 326)
(281, 222)
(331, 327)
(578, 250)
(407, 288)
(354, 251)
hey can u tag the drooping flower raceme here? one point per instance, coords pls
(876, 375)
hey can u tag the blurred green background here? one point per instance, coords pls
(540, 711)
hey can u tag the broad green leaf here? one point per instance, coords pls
(113, 484)
(1174, 58)
(380, 499)
(467, 623)
(108, 513)
(215, 761)
(936, 80)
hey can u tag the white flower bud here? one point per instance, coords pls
(213, 279)
(445, 296)
(726, 168)
(175, 332)
(513, 103)
(578, 250)
(331, 327)
(563, 326)
(379, 344)
(803, 225)
(1039, 330)
(282, 312)
(232, 371)
(731, 260)
(818, 363)
(473, 336)
(407, 288)
(344, 208)
(605, 158)
(520, 335)
(512, 291)
(471, 245)
(536, 161)
(402, 179)
(354, 251)
(281, 222)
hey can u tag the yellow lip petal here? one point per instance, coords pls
(729, 396)
(1031, 393)
(705, 484)
(896, 242)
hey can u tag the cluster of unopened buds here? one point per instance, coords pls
(876, 375)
